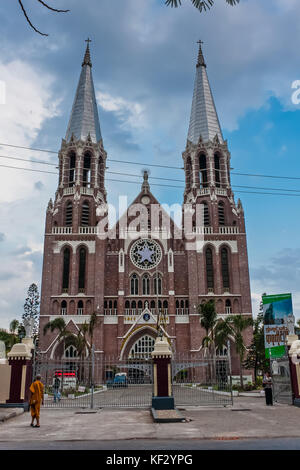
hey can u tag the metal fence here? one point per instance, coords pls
(110, 382)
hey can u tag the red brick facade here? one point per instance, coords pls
(83, 273)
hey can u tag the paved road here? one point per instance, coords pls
(149, 444)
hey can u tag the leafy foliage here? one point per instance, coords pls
(199, 4)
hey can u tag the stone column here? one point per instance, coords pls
(162, 375)
(20, 360)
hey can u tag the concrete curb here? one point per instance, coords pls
(5, 416)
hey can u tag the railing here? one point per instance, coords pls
(228, 230)
(69, 191)
(228, 310)
(221, 192)
(182, 311)
(86, 191)
(62, 230)
(88, 230)
(110, 311)
(203, 230)
(80, 311)
(63, 311)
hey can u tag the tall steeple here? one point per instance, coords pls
(204, 119)
(84, 119)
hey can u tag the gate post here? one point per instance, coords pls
(20, 360)
(162, 398)
(294, 360)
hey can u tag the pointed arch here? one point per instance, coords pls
(209, 268)
(203, 170)
(221, 213)
(134, 284)
(189, 174)
(217, 169)
(72, 169)
(66, 269)
(82, 269)
(86, 174)
(225, 268)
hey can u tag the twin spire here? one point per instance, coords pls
(84, 120)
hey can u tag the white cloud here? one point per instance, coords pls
(131, 114)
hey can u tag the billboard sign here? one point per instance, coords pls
(279, 322)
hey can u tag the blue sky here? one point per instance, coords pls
(144, 57)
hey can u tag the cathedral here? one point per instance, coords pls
(162, 270)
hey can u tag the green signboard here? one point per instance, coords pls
(275, 352)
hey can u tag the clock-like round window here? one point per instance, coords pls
(145, 253)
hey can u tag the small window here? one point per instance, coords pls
(66, 268)
(85, 214)
(203, 171)
(69, 214)
(221, 213)
(146, 284)
(87, 170)
(217, 170)
(72, 170)
(209, 268)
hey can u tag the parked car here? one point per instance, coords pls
(119, 380)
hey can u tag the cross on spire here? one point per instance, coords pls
(201, 60)
(87, 56)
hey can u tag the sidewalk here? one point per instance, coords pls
(247, 418)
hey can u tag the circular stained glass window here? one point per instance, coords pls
(145, 254)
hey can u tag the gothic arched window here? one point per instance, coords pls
(71, 351)
(85, 214)
(146, 284)
(72, 169)
(225, 268)
(82, 269)
(101, 173)
(228, 306)
(134, 285)
(143, 347)
(217, 170)
(203, 170)
(63, 308)
(221, 213)
(86, 170)
(69, 214)
(209, 268)
(157, 285)
(66, 268)
(80, 308)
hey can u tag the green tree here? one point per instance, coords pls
(58, 324)
(234, 326)
(208, 321)
(256, 358)
(199, 4)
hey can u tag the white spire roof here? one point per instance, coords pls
(84, 119)
(204, 119)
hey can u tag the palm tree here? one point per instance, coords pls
(234, 326)
(60, 325)
(208, 321)
(199, 4)
(13, 328)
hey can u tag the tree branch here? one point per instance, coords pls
(52, 9)
(28, 20)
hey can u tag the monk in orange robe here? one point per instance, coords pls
(36, 398)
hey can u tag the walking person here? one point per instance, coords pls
(267, 383)
(36, 398)
(56, 392)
